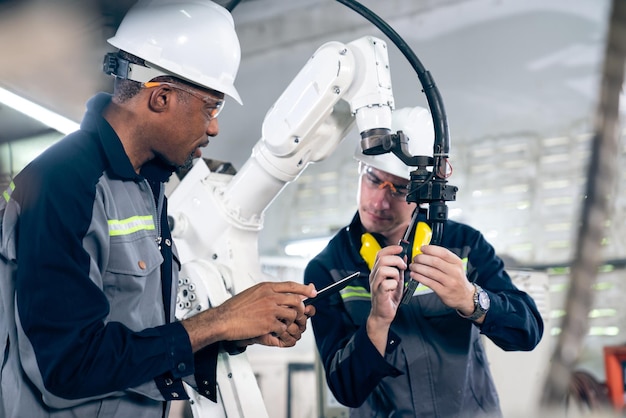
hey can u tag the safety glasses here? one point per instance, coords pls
(372, 181)
(212, 106)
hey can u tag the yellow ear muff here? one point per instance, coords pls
(369, 245)
(369, 248)
(422, 236)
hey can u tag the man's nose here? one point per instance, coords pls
(213, 128)
(382, 198)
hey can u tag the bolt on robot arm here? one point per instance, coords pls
(216, 218)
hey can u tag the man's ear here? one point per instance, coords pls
(160, 98)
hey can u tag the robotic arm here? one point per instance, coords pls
(312, 116)
(215, 218)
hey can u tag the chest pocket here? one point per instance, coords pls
(134, 251)
(137, 256)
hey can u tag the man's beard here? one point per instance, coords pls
(188, 163)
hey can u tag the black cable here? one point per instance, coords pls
(435, 103)
(438, 192)
(231, 5)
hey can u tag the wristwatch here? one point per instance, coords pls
(481, 304)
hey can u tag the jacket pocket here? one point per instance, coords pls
(134, 257)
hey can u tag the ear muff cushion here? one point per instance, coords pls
(422, 236)
(369, 248)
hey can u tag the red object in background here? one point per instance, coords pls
(614, 365)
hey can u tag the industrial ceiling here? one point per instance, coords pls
(496, 53)
(506, 69)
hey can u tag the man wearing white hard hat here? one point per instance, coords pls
(424, 358)
(88, 270)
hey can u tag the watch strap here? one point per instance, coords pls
(478, 309)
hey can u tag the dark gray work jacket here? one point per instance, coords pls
(88, 279)
(435, 364)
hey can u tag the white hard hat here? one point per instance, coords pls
(417, 124)
(192, 39)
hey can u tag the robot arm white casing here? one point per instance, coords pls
(310, 118)
(216, 217)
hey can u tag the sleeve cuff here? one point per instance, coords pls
(206, 371)
(372, 357)
(179, 352)
(180, 359)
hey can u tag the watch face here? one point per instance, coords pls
(483, 300)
